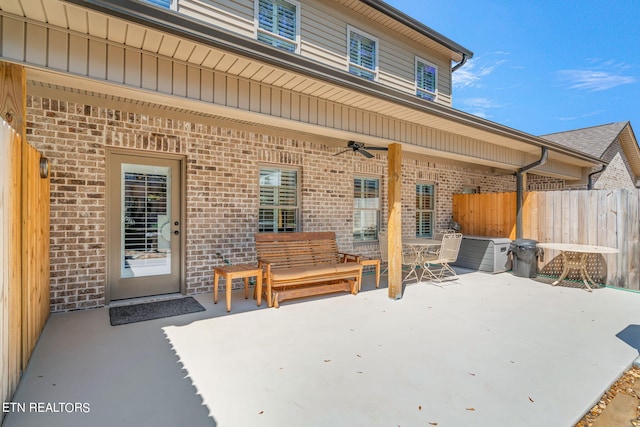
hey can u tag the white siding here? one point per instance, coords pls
(324, 39)
(232, 15)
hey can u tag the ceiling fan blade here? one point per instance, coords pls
(365, 153)
(378, 148)
(344, 151)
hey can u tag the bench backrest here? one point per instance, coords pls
(297, 249)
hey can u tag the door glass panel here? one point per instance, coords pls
(146, 222)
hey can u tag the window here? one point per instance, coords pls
(366, 209)
(278, 212)
(425, 209)
(426, 79)
(363, 54)
(278, 24)
(161, 3)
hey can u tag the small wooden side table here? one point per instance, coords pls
(230, 272)
(376, 262)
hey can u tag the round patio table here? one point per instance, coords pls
(574, 257)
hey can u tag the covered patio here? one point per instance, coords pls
(490, 350)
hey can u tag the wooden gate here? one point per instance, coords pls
(24, 256)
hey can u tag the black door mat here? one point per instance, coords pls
(124, 314)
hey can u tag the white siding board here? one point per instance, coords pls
(168, 46)
(323, 35)
(276, 102)
(149, 73)
(236, 16)
(97, 59)
(135, 36)
(255, 100)
(152, 41)
(226, 62)
(13, 6)
(220, 89)
(184, 50)
(284, 79)
(78, 19)
(194, 81)
(212, 59)
(239, 66)
(58, 55)
(207, 85)
(117, 31)
(198, 55)
(244, 94)
(250, 70)
(78, 54)
(262, 73)
(304, 109)
(295, 106)
(133, 68)
(232, 92)
(12, 46)
(33, 9)
(273, 77)
(313, 111)
(165, 75)
(36, 42)
(55, 13)
(116, 64)
(179, 79)
(98, 25)
(285, 104)
(265, 99)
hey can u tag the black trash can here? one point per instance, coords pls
(524, 257)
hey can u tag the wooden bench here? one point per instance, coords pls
(297, 265)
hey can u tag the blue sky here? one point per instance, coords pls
(542, 66)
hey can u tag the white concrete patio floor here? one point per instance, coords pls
(493, 350)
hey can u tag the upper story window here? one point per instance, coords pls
(426, 79)
(278, 24)
(162, 3)
(279, 206)
(363, 54)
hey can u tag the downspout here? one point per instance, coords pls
(461, 63)
(590, 183)
(520, 191)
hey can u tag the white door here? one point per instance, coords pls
(144, 227)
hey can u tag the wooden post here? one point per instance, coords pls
(394, 223)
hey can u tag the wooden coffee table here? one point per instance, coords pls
(230, 272)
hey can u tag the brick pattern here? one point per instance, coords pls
(221, 189)
(618, 173)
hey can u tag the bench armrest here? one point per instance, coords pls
(349, 257)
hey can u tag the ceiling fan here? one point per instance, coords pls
(359, 147)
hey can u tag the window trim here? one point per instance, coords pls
(378, 209)
(419, 89)
(257, 30)
(434, 210)
(375, 71)
(298, 207)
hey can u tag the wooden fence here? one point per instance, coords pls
(597, 217)
(24, 256)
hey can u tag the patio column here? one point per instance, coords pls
(394, 223)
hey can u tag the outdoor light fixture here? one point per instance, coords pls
(44, 168)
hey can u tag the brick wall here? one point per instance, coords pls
(221, 189)
(618, 173)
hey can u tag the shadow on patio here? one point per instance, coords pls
(491, 350)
